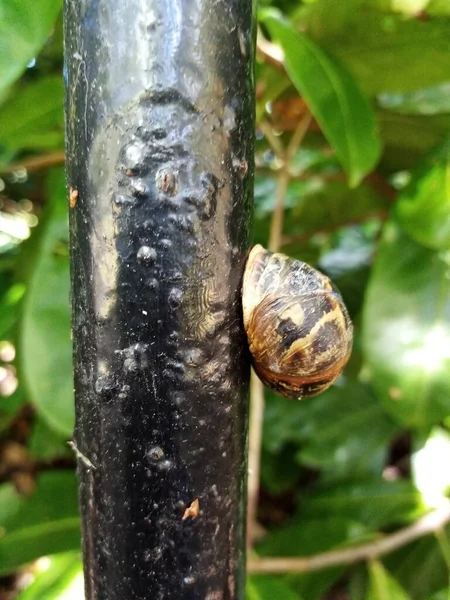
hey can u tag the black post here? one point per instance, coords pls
(159, 117)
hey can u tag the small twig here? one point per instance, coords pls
(276, 229)
(430, 523)
(269, 52)
(35, 163)
(254, 452)
(257, 389)
(274, 141)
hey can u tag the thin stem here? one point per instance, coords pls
(35, 163)
(257, 388)
(270, 53)
(276, 229)
(430, 523)
(254, 452)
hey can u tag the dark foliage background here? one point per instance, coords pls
(367, 200)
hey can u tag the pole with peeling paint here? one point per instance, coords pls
(159, 122)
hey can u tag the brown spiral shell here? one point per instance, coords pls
(299, 332)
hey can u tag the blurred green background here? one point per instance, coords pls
(367, 201)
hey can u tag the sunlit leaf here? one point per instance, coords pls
(423, 208)
(60, 578)
(429, 467)
(382, 586)
(333, 96)
(406, 330)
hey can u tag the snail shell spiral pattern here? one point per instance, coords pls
(298, 329)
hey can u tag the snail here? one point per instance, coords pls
(298, 329)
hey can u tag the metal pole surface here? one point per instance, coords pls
(159, 121)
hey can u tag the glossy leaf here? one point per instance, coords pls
(62, 579)
(24, 28)
(373, 503)
(382, 586)
(423, 208)
(406, 330)
(333, 96)
(46, 522)
(45, 331)
(343, 431)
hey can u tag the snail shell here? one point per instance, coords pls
(298, 329)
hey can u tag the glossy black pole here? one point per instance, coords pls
(159, 118)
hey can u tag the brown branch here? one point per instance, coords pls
(257, 388)
(269, 52)
(35, 163)
(430, 523)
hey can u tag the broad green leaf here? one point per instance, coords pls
(344, 431)
(429, 101)
(61, 579)
(24, 27)
(406, 330)
(343, 113)
(382, 586)
(46, 522)
(33, 117)
(391, 53)
(423, 208)
(376, 503)
(267, 587)
(45, 347)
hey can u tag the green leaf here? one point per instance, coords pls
(429, 101)
(343, 113)
(406, 330)
(24, 27)
(62, 579)
(45, 328)
(423, 208)
(266, 587)
(46, 522)
(382, 585)
(33, 117)
(376, 503)
(344, 431)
